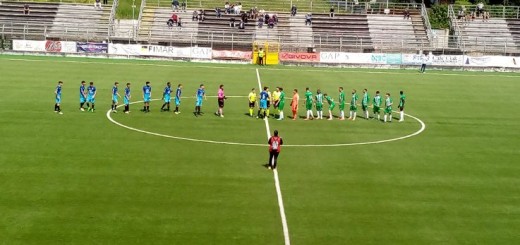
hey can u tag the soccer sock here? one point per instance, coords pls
(59, 108)
(385, 117)
(342, 114)
(144, 108)
(168, 106)
(250, 112)
(390, 117)
(267, 112)
(350, 114)
(176, 108)
(402, 115)
(281, 114)
(378, 116)
(147, 108)
(354, 116)
(81, 104)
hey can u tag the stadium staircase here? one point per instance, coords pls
(393, 32)
(16, 25)
(297, 34)
(81, 22)
(153, 28)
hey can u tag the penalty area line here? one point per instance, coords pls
(276, 179)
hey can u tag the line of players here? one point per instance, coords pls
(277, 99)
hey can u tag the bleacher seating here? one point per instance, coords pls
(81, 22)
(514, 28)
(395, 32)
(487, 36)
(351, 31)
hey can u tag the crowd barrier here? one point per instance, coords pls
(201, 53)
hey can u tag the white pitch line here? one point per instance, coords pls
(353, 70)
(276, 179)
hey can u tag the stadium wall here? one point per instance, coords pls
(343, 59)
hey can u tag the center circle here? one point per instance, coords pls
(422, 128)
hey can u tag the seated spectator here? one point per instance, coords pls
(97, 4)
(243, 17)
(226, 8)
(260, 22)
(485, 16)
(294, 10)
(232, 22)
(173, 20)
(183, 6)
(241, 25)
(202, 15)
(237, 8)
(26, 9)
(460, 14)
(406, 14)
(175, 5)
(179, 22)
(218, 12)
(275, 18)
(480, 9)
(255, 13)
(308, 19)
(270, 23)
(473, 15)
(195, 15)
(331, 11)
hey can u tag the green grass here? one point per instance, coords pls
(79, 179)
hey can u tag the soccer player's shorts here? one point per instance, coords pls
(146, 98)
(251, 104)
(167, 99)
(376, 109)
(126, 101)
(58, 99)
(281, 105)
(353, 107)
(401, 108)
(199, 101)
(308, 106)
(388, 110)
(331, 106)
(91, 99)
(82, 99)
(364, 107)
(319, 107)
(263, 104)
(341, 106)
(177, 101)
(114, 98)
(221, 103)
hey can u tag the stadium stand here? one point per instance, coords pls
(153, 27)
(55, 21)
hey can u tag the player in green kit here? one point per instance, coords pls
(377, 105)
(341, 104)
(308, 104)
(402, 97)
(364, 103)
(331, 105)
(281, 103)
(388, 107)
(353, 106)
(319, 104)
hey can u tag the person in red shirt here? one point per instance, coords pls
(173, 20)
(275, 143)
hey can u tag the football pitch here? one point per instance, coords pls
(448, 174)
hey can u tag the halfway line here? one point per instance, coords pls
(276, 180)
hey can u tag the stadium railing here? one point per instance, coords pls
(495, 11)
(455, 26)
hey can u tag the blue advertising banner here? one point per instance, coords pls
(92, 48)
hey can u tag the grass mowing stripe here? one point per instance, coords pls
(276, 179)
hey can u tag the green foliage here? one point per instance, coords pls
(438, 15)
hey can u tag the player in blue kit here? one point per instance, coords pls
(57, 93)
(178, 93)
(167, 97)
(91, 97)
(115, 97)
(201, 94)
(82, 96)
(127, 98)
(264, 97)
(147, 96)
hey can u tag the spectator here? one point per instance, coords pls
(179, 22)
(485, 16)
(308, 19)
(218, 12)
(183, 6)
(480, 9)
(105, 2)
(406, 14)
(241, 25)
(237, 8)
(226, 7)
(270, 23)
(175, 5)
(26, 9)
(331, 12)
(461, 14)
(275, 18)
(195, 15)
(97, 4)
(202, 15)
(294, 10)
(473, 15)
(232, 22)
(243, 17)
(266, 19)
(173, 20)
(260, 22)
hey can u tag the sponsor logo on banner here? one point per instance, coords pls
(124, 49)
(92, 48)
(301, 57)
(176, 52)
(334, 57)
(228, 54)
(26, 45)
(448, 60)
(52, 46)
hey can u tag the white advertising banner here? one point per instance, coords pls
(124, 49)
(360, 58)
(44, 46)
(436, 60)
(176, 52)
(492, 61)
(231, 54)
